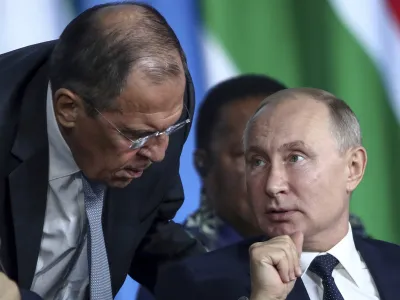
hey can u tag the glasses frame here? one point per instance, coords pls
(140, 142)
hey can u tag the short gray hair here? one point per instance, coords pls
(346, 126)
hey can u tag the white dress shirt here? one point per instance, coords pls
(62, 266)
(351, 275)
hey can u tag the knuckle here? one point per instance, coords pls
(254, 251)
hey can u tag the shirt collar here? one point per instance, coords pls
(345, 251)
(61, 161)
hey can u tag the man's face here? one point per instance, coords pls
(225, 182)
(143, 108)
(296, 177)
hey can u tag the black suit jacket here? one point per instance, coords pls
(139, 233)
(225, 273)
(28, 295)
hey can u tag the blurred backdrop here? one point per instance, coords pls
(350, 48)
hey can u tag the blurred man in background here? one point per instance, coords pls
(92, 127)
(224, 216)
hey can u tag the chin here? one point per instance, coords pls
(279, 229)
(118, 183)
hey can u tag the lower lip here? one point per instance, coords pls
(131, 174)
(281, 216)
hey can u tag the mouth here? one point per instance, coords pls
(130, 173)
(280, 215)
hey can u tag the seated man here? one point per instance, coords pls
(304, 158)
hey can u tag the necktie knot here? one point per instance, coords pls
(323, 265)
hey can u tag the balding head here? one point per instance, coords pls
(107, 43)
(345, 125)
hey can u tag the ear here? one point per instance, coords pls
(356, 163)
(201, 162)
(67, 106)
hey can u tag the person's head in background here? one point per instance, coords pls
(218, 157)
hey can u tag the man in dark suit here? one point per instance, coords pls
(304, 158)
(99, 116)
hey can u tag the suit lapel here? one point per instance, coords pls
(28, 181)
(383, 266)
(121, 224)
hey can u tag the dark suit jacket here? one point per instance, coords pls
(139, 233)
(225, 273)
(28, 295)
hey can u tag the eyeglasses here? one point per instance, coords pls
(140, 142)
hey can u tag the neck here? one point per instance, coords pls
(325, 240)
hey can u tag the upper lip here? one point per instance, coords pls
(135, 170)
(278, 210)
(139, 168)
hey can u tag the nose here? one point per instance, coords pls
(276, 181)
(155, 149)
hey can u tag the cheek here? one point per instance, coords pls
(255, 190)
(121, 159)
(232, 175)
(312, 190)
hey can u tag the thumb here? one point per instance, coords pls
(298, 238)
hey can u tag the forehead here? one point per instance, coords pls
(143, 95)
(233, 117)
(153, 105)
(300, 119)
(237, 113)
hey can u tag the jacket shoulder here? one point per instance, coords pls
(382, 246)
(17, 68)
(26, 54)
(222, 260)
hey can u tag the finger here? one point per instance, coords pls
(281, 261)
(296, 261)
(298, 239)
(287, 247)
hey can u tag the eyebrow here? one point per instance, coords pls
(291, 145)
(283, 147)
(135, 132)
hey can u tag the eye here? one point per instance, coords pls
(256, 162)
(295, 158)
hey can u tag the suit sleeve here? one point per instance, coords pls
(28, 295)
(185, 281)
(165, 242)
(177, 282)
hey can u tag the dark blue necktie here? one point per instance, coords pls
(323, 266)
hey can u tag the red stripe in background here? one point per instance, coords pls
(394, 6)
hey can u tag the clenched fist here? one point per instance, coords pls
(275, 265)
(8, 289)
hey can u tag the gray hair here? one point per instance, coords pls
(346, 126)
(101, 48)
